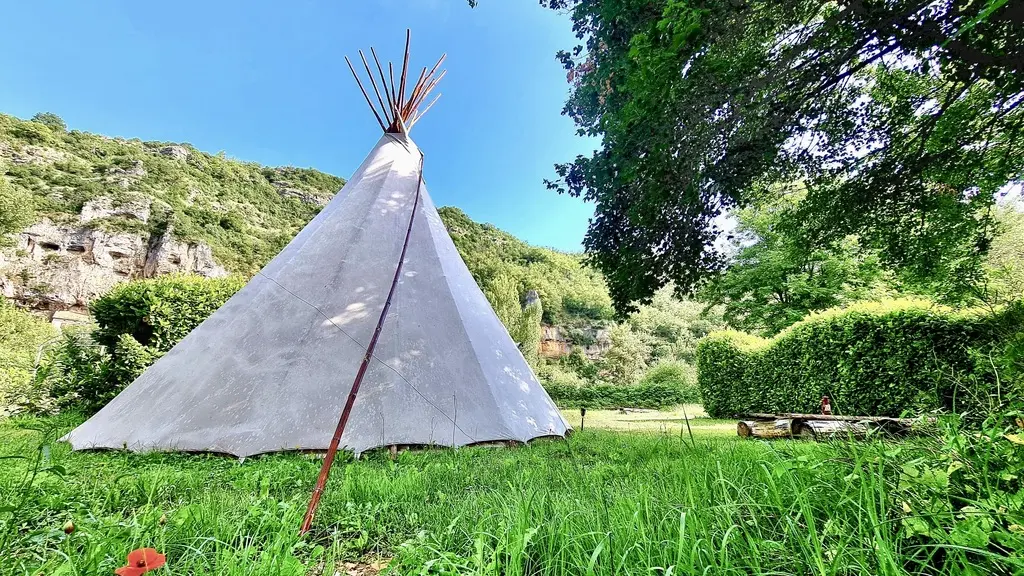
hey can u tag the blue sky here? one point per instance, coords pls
(266, 82)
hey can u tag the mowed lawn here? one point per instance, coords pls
(601, 502)
(672, 421)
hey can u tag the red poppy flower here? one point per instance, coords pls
(141, 561)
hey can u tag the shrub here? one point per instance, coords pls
(137, 322)
(870, 359)
(553, 375)
(129, 360)
(626, 360)
(81, 374)
(21, 336)
(652, 395)
(674, 374)
(523, 323)
(159, 312)
(76, 374)
(665, 385)
(16, 210)
(32, 132)
(51, 120)
(578, 362)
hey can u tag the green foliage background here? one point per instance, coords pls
(21, 336)
(15, 210)
(777, 277)
(502, 263)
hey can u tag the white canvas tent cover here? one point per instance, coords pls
(271, 369)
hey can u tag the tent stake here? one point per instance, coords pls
(332, 449)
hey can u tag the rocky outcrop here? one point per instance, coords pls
(532, 297)
(552, 344)
(556, 341)
(104, 208)
(176, 152)
(126, 177)
(168, 255)
(31, 154)
(60, 266)
(306, 196)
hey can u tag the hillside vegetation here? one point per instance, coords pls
(568, 290)
(246, 212)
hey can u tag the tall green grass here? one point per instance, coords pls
(599, 503)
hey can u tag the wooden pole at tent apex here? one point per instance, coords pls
(398, 112)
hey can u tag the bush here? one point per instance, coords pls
(21, 336)
(159, 312)
(129, 360)
(626, 360)
(880, 359)
(653, 395)
(76, 374)
(16, 210)
(577, 362)
(137, 322)
(674, 374)
(51, 120)
(80, 374)
(663, 386)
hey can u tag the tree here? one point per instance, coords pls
(626, 360)
(1004, 264)
(16, 210)
(51, 120)
(672, 326)
(522, 322)
(902, 117)
(776, 279)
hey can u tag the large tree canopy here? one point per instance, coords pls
(901, 117)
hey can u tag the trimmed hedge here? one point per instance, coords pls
(880, 359)
(651, 395)
(161, 311)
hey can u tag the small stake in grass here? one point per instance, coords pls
(688, 429)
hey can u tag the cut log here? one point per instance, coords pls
(811, 428)
(764, 429)
(762, 416)
(837, 428)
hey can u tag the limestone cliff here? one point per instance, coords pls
(105, 210)
(558, 341)
(62, 266)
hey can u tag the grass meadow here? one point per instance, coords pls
(602, 502)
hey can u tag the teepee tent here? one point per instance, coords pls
(369, 315)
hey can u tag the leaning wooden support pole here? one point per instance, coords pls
(383, 81)
(332, 449)
(383, 108)
(405, 68)
(365, 95)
